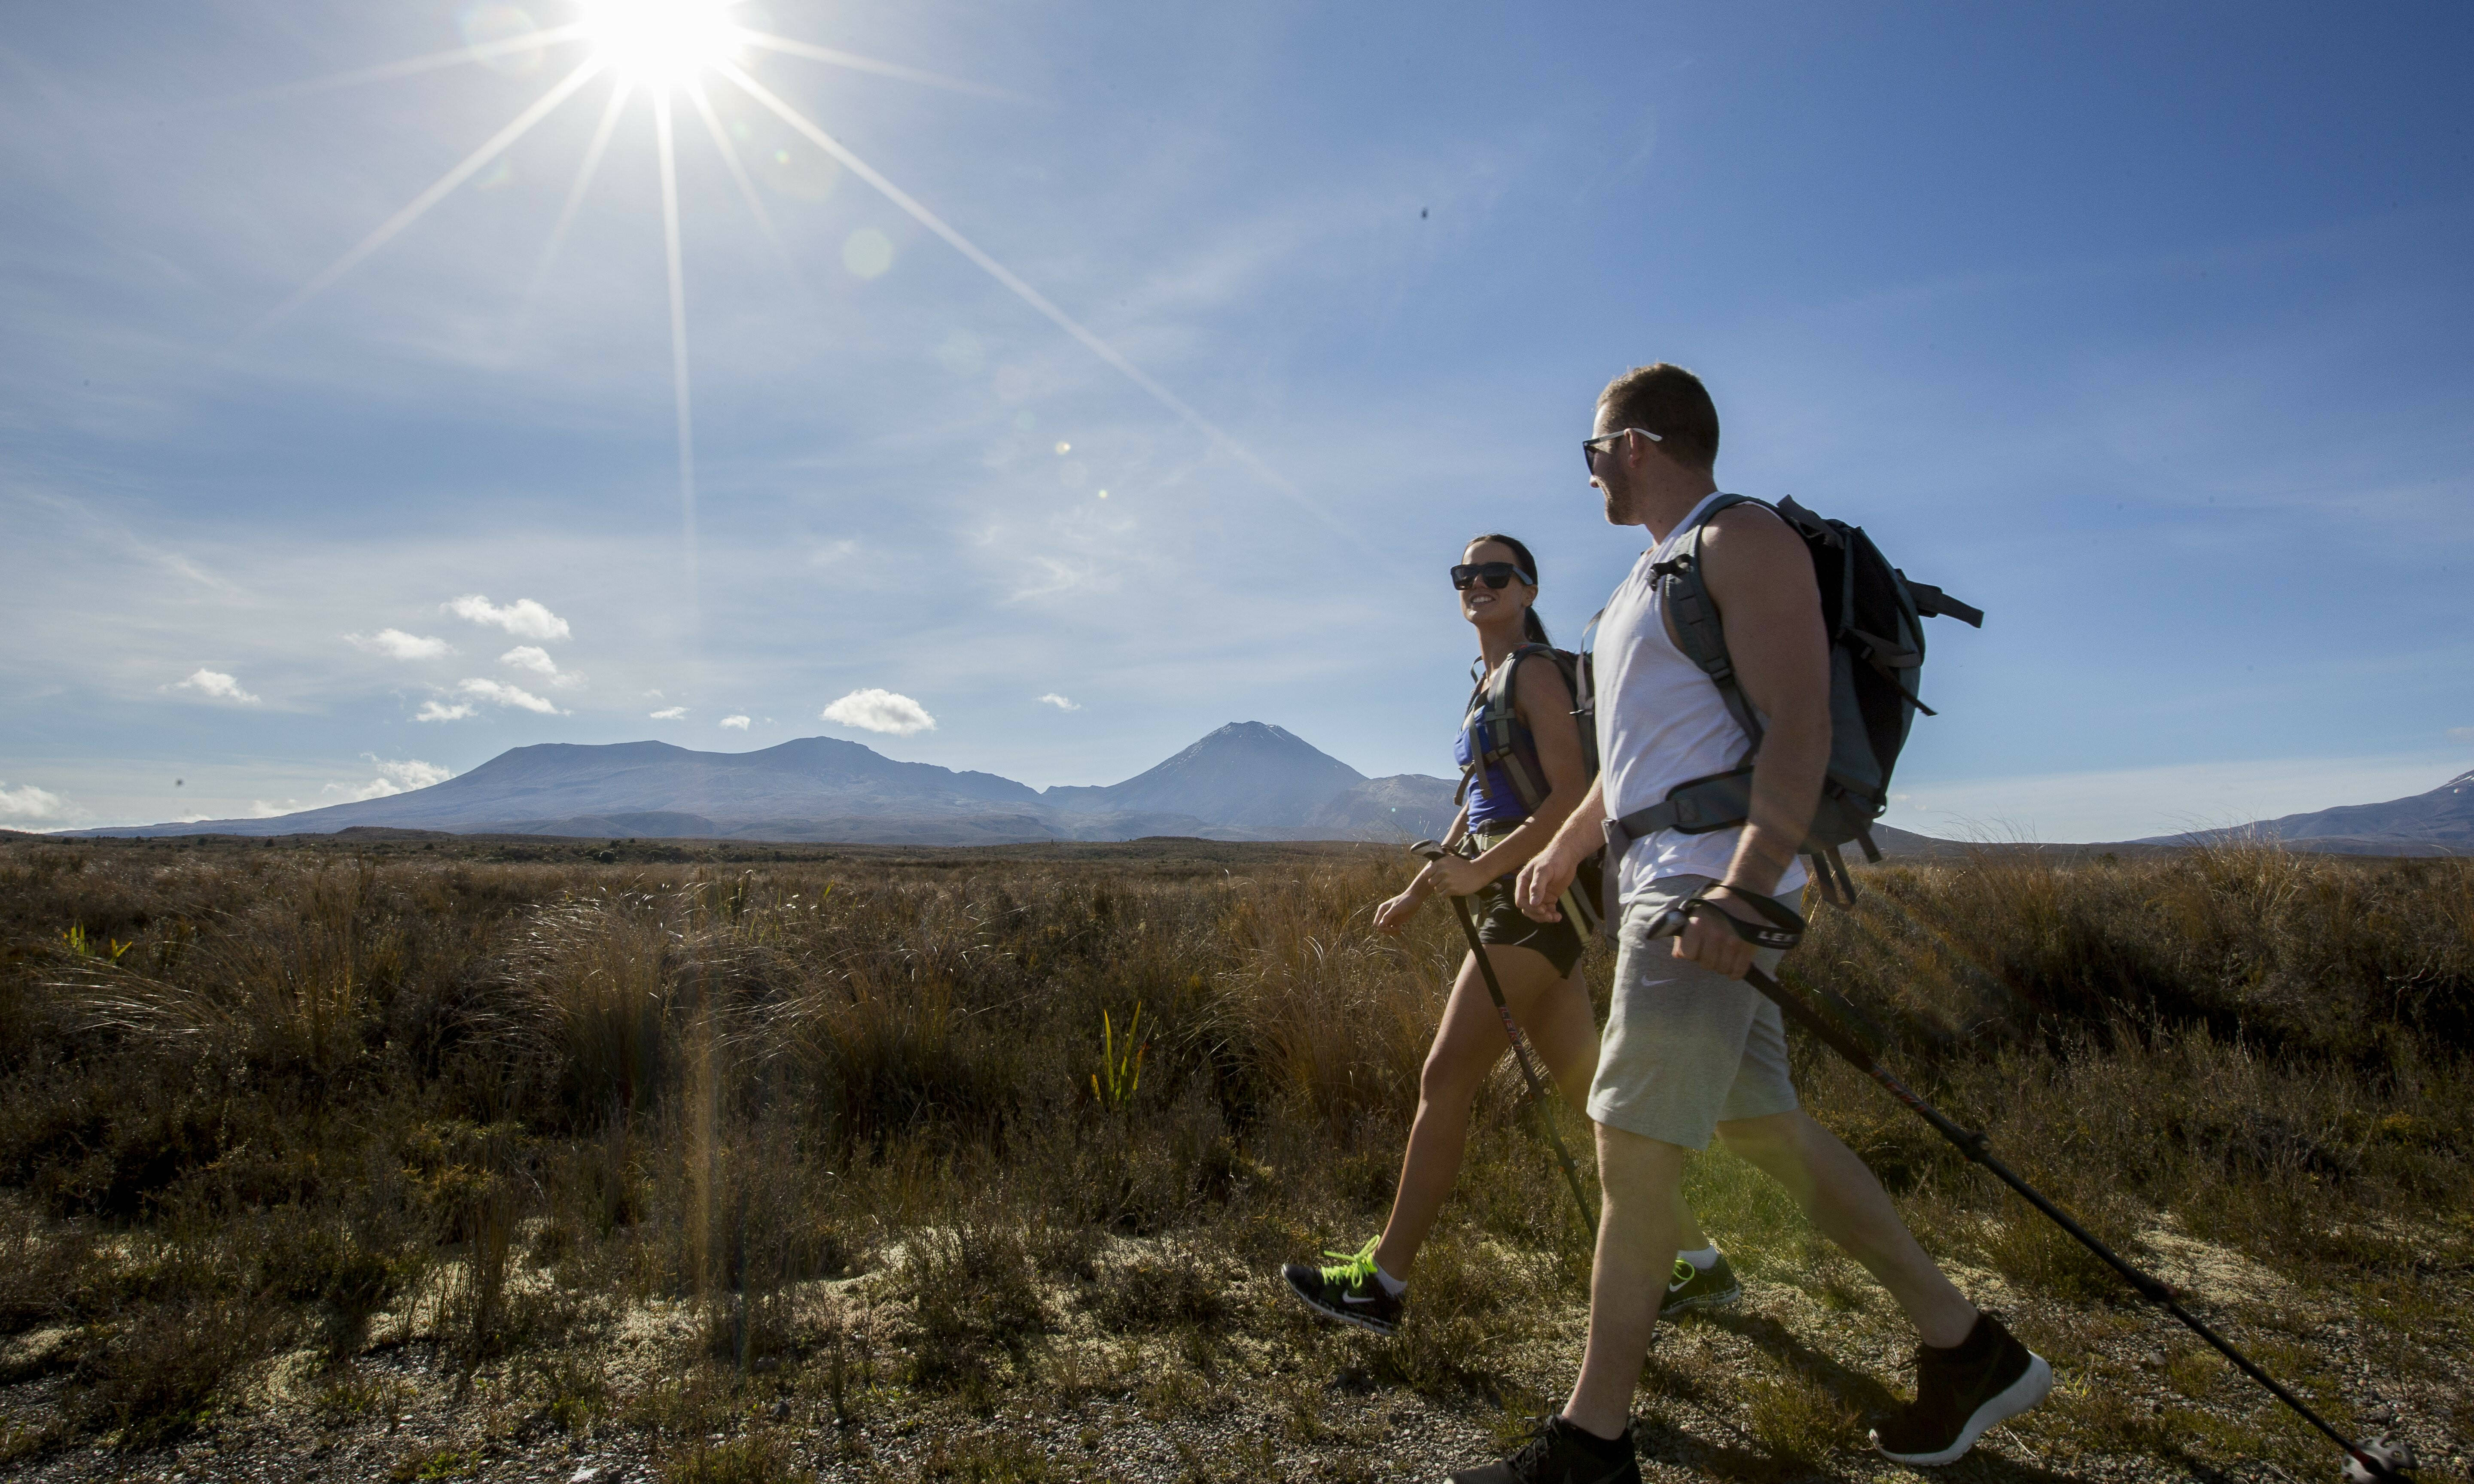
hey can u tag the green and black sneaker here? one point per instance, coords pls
(1348, 1291)
(1696, 1288)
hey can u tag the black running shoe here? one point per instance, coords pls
(1347, 1291)
(1962, 1391)
(1560, 1453)
(1692, 1288)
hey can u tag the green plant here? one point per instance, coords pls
(1121, 1073)
(443, 1463)
(84, 946)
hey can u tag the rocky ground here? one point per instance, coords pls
(1777, 1388)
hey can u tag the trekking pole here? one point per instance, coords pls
(2366, 1463)
(1538, 1084)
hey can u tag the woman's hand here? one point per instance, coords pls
(1393, 916)
(1455, 875)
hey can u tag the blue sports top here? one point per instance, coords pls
(1494, 804)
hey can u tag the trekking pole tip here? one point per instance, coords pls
(2379, 1459)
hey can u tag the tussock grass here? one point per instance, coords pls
(679, 1147)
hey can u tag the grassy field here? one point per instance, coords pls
(477, 1159)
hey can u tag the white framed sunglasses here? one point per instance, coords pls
(1591, 447)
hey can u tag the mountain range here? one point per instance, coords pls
(1249, 780)
(2438, 823)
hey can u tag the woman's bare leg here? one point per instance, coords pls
(1554, 1013)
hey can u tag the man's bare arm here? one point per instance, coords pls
(1759, 577)
(1549, 876)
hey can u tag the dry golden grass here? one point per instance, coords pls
(680, 1146)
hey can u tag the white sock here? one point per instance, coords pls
(1705, 1259)
(1393, 1286)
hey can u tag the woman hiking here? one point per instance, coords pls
(1537, 964)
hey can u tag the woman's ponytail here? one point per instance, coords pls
(1533, 626)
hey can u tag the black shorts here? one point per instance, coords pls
(1501, 921)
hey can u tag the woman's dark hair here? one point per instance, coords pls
(1532, 627)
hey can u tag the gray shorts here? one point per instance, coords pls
(1685, 1049)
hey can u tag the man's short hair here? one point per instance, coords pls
(1670, 402)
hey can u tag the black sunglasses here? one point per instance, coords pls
(1495, 574)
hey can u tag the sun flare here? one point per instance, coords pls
(665, 53)
(661, 45)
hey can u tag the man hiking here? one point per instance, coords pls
(1690, 1049)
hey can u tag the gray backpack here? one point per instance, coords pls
(1875, 616)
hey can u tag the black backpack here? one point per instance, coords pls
(1876, 617)
(1490, 724)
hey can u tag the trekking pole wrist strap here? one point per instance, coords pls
(1783, 930)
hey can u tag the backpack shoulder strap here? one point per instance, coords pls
(1500, 717)
(1686, 597)
(1473, 728)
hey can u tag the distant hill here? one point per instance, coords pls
(1244, 774)
(1247, 781)
(655, 789)
(2438, 823)
(1405, 806)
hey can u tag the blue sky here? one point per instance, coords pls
(2144, 329)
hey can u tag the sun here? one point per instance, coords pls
(673, 51)
(661, 45)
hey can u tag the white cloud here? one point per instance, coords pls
(394, 778)
(218, 685)
(396, 644)
(260, 809)
(1054, 576)
(739, 721)
(881, 710)
(669, 713)
(2461, 733)
(441, 711)
(534, 658)
(523, 618)
(30, 805)
(504, 694)
(1059, 701)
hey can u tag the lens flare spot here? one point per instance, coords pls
(1062, 449)
(867, 252)
(800, 173)
(662, 43)
(1104, 494)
